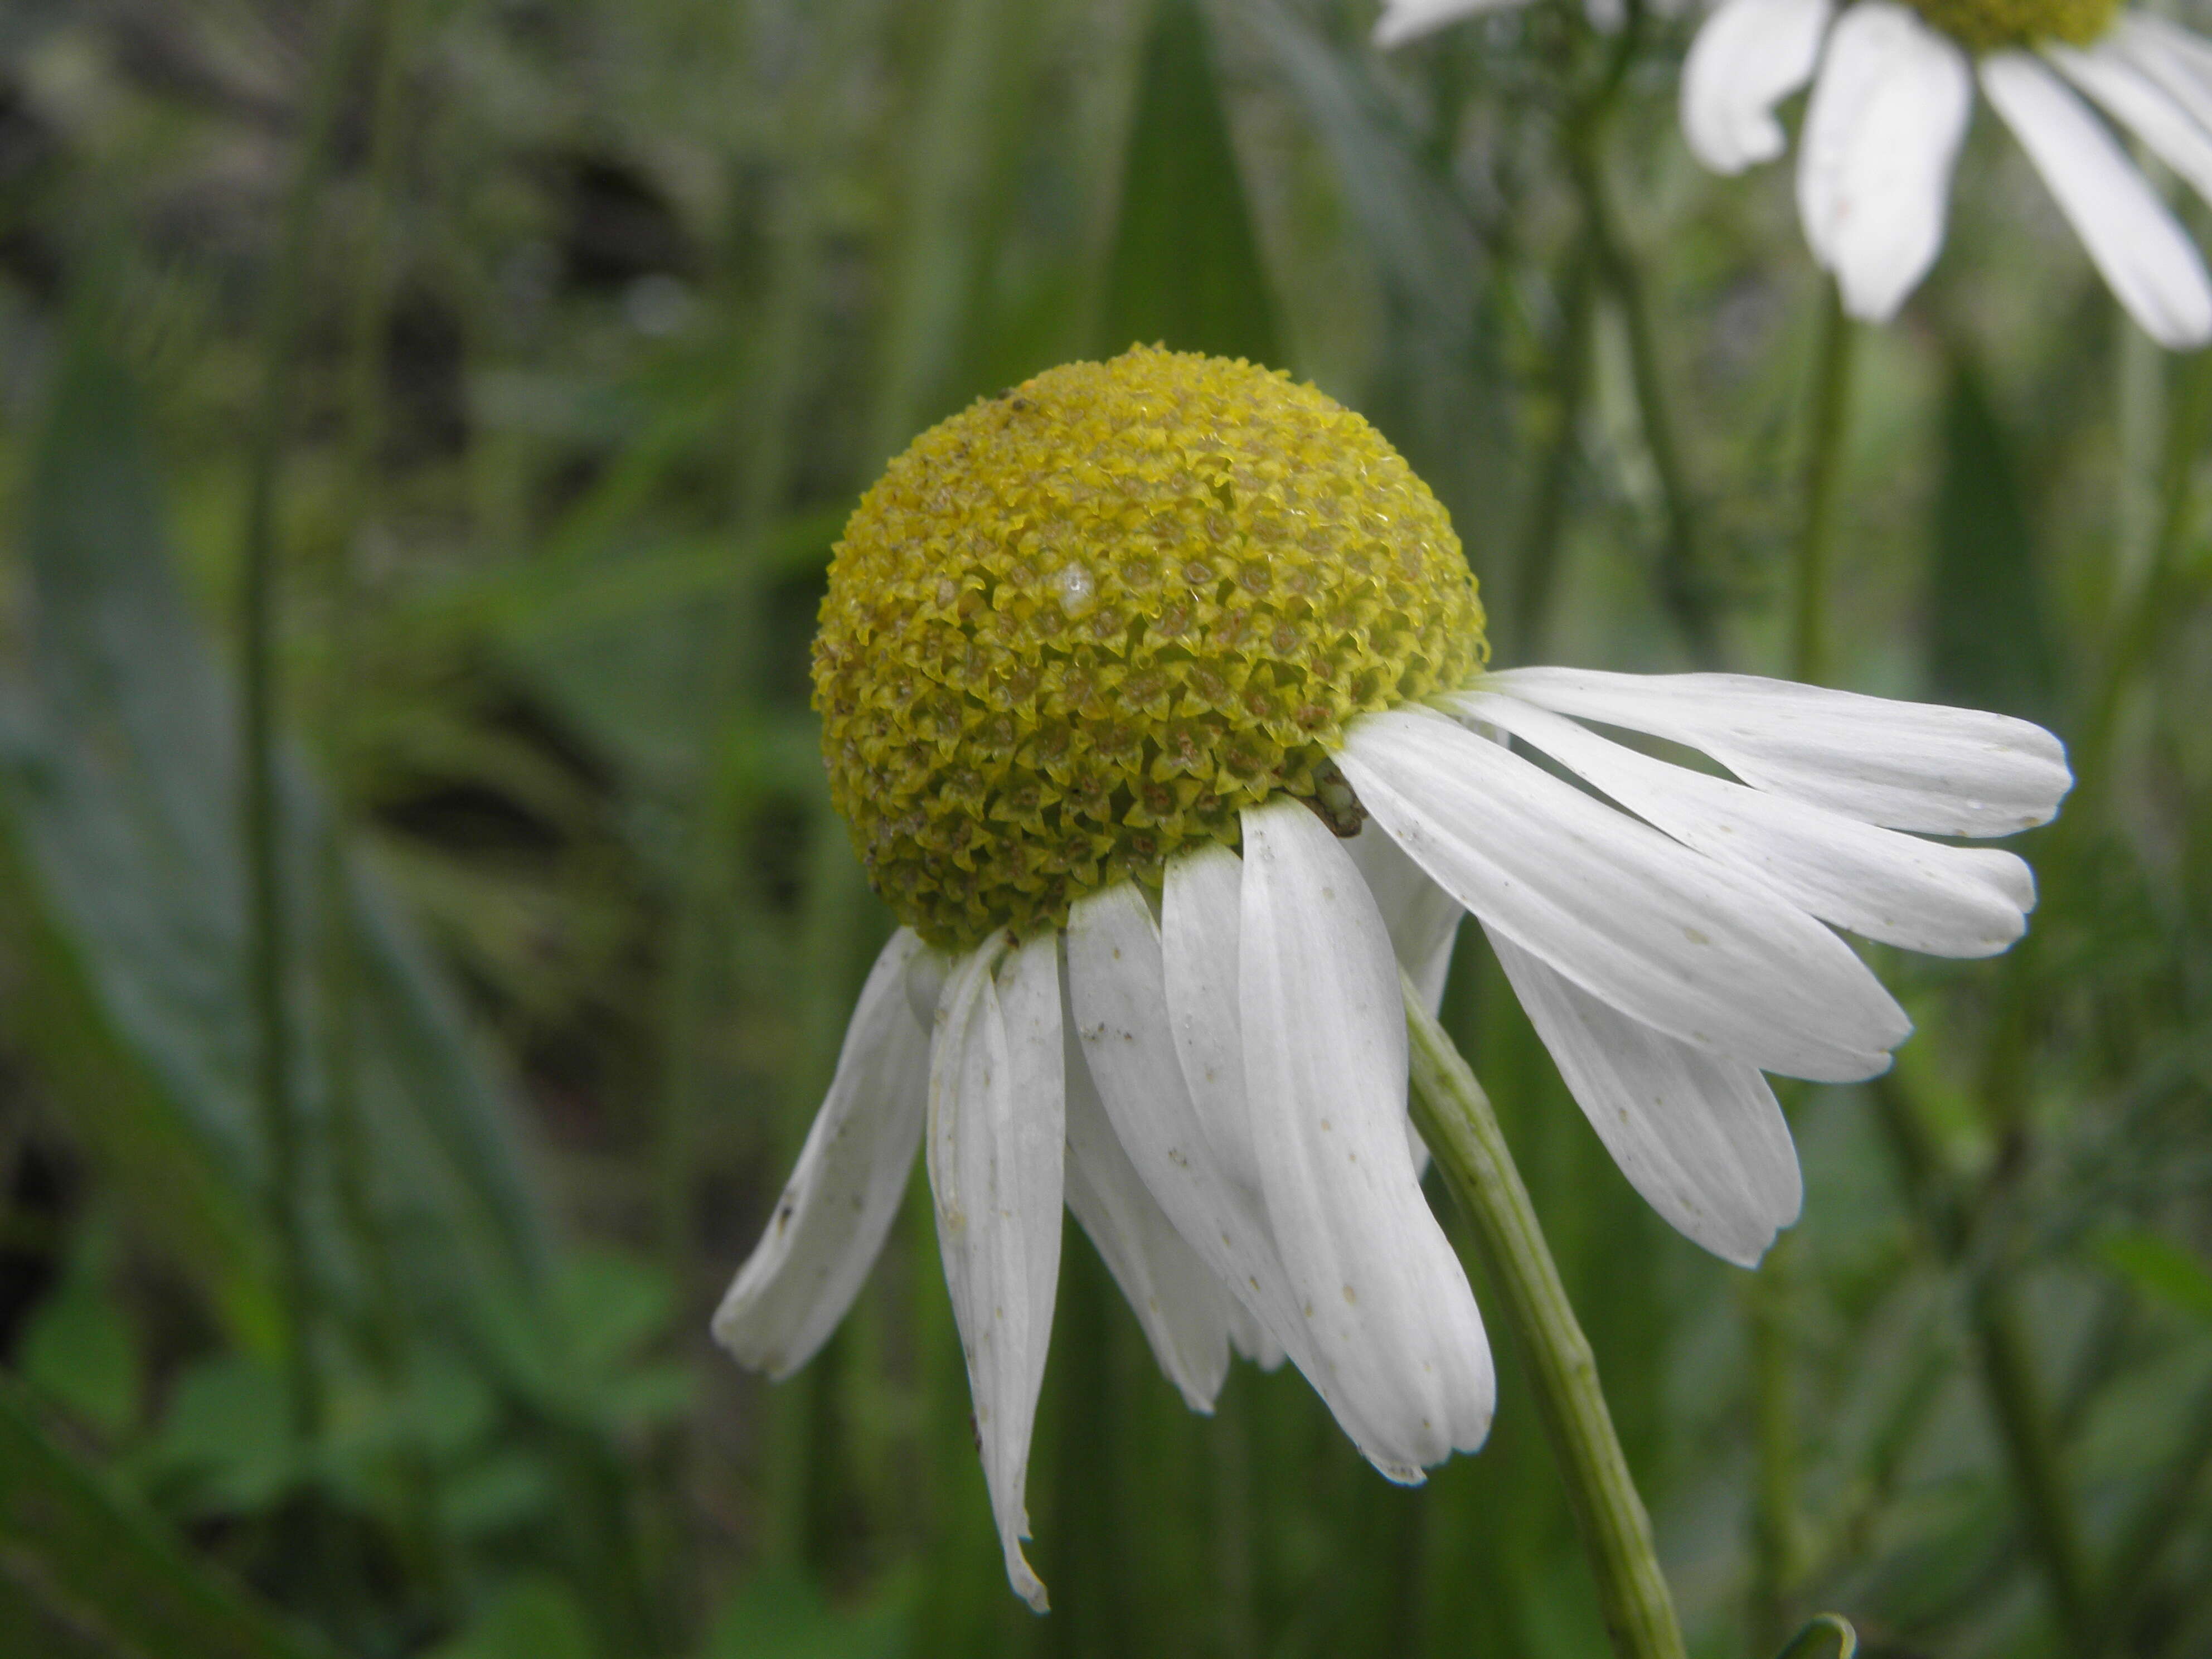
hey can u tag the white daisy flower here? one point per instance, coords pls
(1892, 92)
(1153, 692)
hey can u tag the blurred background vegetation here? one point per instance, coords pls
(425, 936)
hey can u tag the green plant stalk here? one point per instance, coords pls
(2016, 1394)
(1454, 1117)
(2151, 1527)
(266, 943)
(1684, 584)
(1778, 1527)
(1537, 578)
(1824, 470)
(2016, 1397)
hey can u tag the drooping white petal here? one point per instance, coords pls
(1185, 1310)
(927, 970)
(1407, 20)
(1881, 134)
(1253, 1339)
(830, 1222)
(1668, 936)
(1747, 57)
(997, 1143)
(1423, 918)
(1919, 895)
(1385, 1302)
(1116, 986)
(1903, 765)
(1200, 912)
(2139, 100)
(1701, 1137)
(2177, 60)
(2150, 264)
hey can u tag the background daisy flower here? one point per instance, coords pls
(1153, 693)
(1892, 95)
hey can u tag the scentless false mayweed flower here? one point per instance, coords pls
(1154, 694)
(1891, 105)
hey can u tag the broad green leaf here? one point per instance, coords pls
(1988, 646)
(1830, 1636)
(80, 1352)
(1186, 271)
(78, 1348)
(84, 1570)
(2160, 1269)
(123, 871)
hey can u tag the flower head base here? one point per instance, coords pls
(1991, 24)
(1082, 624)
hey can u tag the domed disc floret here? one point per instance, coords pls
(1993, 25)
(1086, 623)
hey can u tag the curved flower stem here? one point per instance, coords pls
(1824, 467)
(1454, 1116)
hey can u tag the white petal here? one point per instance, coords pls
(2177, 60)
(1903, 765)
(1749, 56)
(1919, 895)
(927, 970)
(830, 1222)
(1385, 1301)
(1881, 134)
(1200, 913)
(1184, 1309)
(1407, 20)
(2135, 98)
(1699, 1136)
(1253, 1339)
(997, 1139)
(1117, 976)
(1668, 937)
(2151, 267)
(1423, 918)
(1116, 986)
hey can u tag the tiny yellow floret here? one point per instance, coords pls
(1081, 624)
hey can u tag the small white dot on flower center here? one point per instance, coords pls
(1076, 588)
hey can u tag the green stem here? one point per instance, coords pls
(2016, 1397)
(1537, 578)
(2008, 1377)
(1824, 467)
(267, 969)
(1454, 1116)
(1683, 585)
(1777, 1523)
(2144, 1536)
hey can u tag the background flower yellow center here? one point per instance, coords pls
(1989, 25)
(1081, 624)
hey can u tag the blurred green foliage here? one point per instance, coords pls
(609, 311)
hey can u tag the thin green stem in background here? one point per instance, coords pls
(266, 943)
(1685, 584)
(1777, 1525)
(2016, 1398)
(1454, 1117)
(1824, 468)
(1537, 578)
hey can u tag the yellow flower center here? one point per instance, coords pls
(1990, 25)
(1083, 624)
